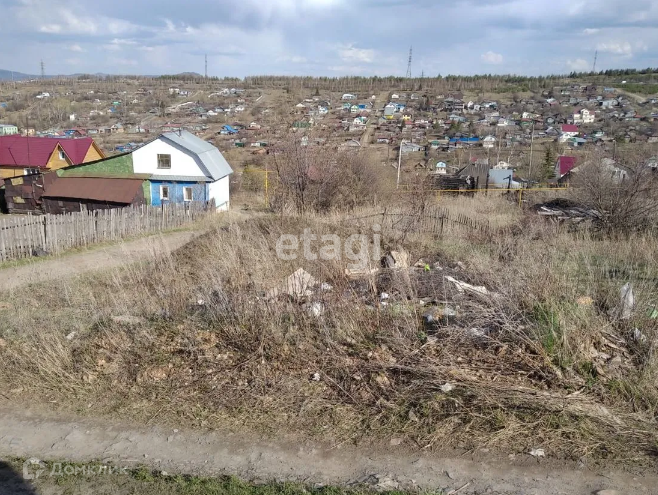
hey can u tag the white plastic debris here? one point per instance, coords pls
(638, 336)
(537, 453)
(383, 296)
(71, 336)
(316, 309)
(316, 377)
(326, 287)
(627, 301)
(464, 287)
(447, 387)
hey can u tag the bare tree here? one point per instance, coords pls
(623, 192)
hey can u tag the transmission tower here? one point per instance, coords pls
(43, 70)
(596, 55)
(409, 65)
(206, 66)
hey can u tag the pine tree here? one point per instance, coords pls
(548, 165)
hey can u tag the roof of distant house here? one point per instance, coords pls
(23, 151)
(569, 128)
(566, 164)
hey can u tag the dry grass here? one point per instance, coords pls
(545, 373)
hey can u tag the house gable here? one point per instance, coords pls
(183, 162)
(58, 159)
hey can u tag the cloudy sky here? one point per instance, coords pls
(326, 37)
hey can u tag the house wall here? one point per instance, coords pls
(145, 160)
(199, 191)
(93, 154)
(219, 191)
(55, 162)
(9, 172)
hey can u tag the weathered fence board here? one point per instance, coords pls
(25, 236)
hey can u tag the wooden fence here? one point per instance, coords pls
(25, 236)
(434, 220)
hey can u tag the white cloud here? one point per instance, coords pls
(76, 48)
(349, 53)
(578, 65)
(623, 48)
(492, 58)
(591, 31)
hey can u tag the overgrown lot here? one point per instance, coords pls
(539, 358)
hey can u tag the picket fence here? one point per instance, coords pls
(30, 235)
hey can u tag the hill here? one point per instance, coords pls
(7, 75)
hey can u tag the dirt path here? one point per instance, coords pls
(99, 258)
(25, 433)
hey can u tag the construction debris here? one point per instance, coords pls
(299, 284)
(537, 453)
(563, 209)
(463, 287)
(396, 259)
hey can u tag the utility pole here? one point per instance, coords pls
(399, 166)
(43, 70)
(596, 55)
(532, 136)
(409, 64)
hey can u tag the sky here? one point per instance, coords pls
(327, 37)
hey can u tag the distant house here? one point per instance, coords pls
(407, 147)
(584, 116)
(564, 165)
(502, 178)
(488, 142)
(8, 129)
(568, 131)
(21, 155)
(348, 96)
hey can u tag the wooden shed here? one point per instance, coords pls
(71, 194)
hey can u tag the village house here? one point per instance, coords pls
(583, 116)
(348, 96)
(22, 155)
(488, 142)
(8, 130)
(568, 131)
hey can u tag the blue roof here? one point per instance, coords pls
(465, 140)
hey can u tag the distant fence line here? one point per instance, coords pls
(434, 220)
(25, 236)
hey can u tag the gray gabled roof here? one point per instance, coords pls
(208, 156)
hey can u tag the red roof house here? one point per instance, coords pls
(21, 154)
(565, 164)
(570, 128)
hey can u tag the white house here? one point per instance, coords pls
(488, 142)
(183, 167)
(348, 96)
(584, 116)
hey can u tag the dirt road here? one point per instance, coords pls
(98, 258)
(25, 433)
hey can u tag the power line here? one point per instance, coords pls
(409, 64)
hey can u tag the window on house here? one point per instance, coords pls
(31, 171)
(187, 194)
(164, 161)
(62, 155)
(164, 193)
